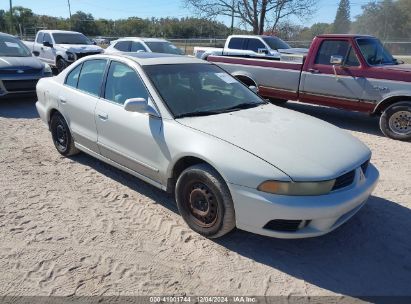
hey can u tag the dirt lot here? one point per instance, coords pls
(77, 226)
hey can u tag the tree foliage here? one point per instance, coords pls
(342, 21)
(256, 14)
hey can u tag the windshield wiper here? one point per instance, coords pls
(241, 106)
(197, 113)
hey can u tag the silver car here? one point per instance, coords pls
(232, 160)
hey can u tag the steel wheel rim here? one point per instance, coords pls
(201, 204)
(61, 136)
(400, 122)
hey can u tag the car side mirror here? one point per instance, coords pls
(140, 105)
(36, 53)
(48, 44)
(336, 60)
(262, 51)
(254, 89)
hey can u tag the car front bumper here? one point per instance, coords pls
(318, 214)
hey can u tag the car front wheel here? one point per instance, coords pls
(204, 201)
(395, 122)
(62, 139)
(61, 64)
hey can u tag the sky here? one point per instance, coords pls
(116, 9)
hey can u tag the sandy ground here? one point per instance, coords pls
(77, 226)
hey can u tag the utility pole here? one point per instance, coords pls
(11, 17)
(232, 18)
(68, 2)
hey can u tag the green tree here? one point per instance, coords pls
(342, 19)
(384, 19)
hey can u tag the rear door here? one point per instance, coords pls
(133, 140)
(78, 101)
(333, 85)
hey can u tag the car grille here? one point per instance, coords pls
(283, 225)
(81, 55)
(344, 180)
(20, 85)
(25, 71)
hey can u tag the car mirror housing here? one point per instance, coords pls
(140, 105)
(336, 60)
(48, 44)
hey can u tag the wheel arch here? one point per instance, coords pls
(384, 104)
(183, 163)
(245, 78)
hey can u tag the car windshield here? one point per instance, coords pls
(164, 47)
(276, 43)
(374, 52)
(12, 47)
(200, 89)
(71, 38)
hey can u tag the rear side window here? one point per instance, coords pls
(255, 44)
(91, 76)
(123, 46)
(123, 83)
(137, 46)
(40, 38)
(72, 77)
(236, 43)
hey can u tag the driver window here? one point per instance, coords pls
(123, 83)
(47, 38)
(330, 48)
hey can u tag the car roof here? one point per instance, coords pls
(344, 36)
(58, 31)
(7, 35)
(142, 39)
(148, 58)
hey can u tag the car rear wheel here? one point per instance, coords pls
(62, 139)
(204, 201)
(61, 64)
(395, 121)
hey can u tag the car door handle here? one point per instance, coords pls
(42, 48)
(314, 71)
(102, 116)
(62, 100)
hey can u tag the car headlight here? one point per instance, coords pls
(70, 56)
(47, 70)
(297, 188)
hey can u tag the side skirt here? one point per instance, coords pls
(121, 167)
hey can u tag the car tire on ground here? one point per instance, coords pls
(395, 121)
(204, 201)
(62, 139)
(61, 64)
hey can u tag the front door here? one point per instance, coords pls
(334, 85)
(78, 103)
(130, 139)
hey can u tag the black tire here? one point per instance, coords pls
(204, 201)
(395, 121)
(61, 64)
(62, 139)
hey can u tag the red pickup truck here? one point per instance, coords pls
(353, 72)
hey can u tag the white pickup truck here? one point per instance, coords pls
(250, 46)
(61, 48)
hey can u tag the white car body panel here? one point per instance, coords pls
(246, 148)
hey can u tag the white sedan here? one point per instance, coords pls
(232, 160)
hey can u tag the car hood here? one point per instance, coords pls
(79, 48)
(20, 63)
(303, 147)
